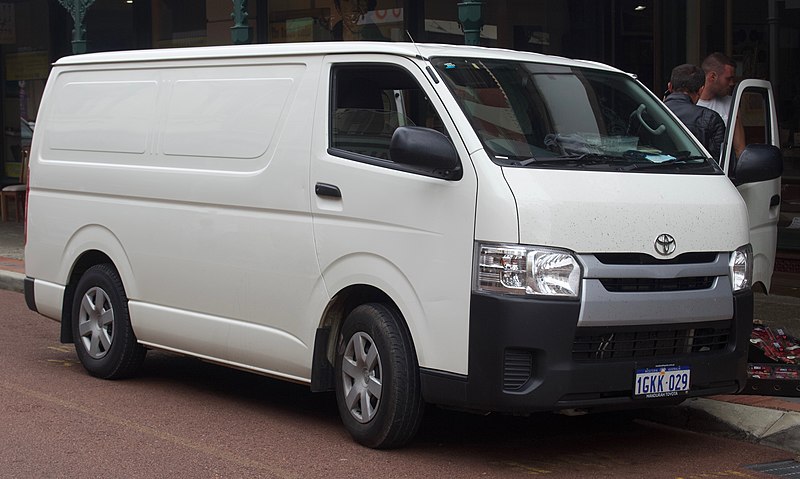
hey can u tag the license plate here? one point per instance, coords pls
(662, 381)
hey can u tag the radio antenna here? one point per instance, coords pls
(419, 53)
(420, 57)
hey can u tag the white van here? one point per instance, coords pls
(468, 227)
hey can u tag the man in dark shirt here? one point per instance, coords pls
(685, 86)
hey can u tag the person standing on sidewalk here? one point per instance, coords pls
(686, 85)
(720, 79)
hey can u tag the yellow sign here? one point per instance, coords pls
(27, 66)
(13, 169)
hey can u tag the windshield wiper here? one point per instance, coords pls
(584, 159)
(681, 160)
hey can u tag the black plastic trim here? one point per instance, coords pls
(454, 175)
(433, 75)
(322, 372)
(547, 330)
(324, 189)
(30, 296)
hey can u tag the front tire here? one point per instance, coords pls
(101, 327)
(377, 378)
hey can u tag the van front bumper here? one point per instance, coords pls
(528, 355)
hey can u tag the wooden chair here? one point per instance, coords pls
(16, 193)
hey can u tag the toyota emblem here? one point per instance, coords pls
(665, 245)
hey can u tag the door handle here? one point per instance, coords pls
(775, 200)
(324, 189)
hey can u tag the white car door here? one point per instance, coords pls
(382, 225)
(753, 106)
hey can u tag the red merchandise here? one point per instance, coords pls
(776, 344)
(774, 363)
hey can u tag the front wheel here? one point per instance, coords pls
(101, 326)
(377, 378)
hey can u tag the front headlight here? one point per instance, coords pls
(527, 270)
(741, 268)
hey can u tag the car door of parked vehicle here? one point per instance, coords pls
(753, 106)
(380, 224)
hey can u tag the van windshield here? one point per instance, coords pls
(550, 116)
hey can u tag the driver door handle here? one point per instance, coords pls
(324, 189)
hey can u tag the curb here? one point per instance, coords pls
(11, 281)
(770, 427)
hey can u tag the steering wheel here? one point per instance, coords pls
(637, 113)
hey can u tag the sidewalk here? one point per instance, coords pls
(773, 421)
(12, 268)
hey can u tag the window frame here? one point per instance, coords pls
(336, 66)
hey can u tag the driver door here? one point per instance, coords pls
(753, 106)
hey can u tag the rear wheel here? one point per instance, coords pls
(377, 378)
(101, 327)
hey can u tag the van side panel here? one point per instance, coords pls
(111, 116)
(202, 179)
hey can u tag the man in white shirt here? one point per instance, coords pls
(720, 73)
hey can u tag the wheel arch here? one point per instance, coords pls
(337, 310)
(89, 246)
(84, 261)
(761, 263)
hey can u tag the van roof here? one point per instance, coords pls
(319, 48)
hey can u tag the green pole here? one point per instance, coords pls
(471, 19)
(77, 9)
(240, 32)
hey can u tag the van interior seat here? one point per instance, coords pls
(362, 123)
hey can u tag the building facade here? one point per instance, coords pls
(645, 37)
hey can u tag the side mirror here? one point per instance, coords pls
(758, 163)
(427, 149)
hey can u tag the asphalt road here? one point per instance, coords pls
(186, 418)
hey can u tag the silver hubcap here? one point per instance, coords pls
(96, 323)
(362, 376)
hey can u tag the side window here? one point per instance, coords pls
(370, 101)
(754, 115)
(752, 120)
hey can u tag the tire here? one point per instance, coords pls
(101, 326)
(377, 378)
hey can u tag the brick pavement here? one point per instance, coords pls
(11, 264)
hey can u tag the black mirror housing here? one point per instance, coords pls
(758, 163)
(427, 149)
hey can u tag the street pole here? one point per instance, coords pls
(241, 33)
(471, 19)
(77, 9)
(774, 24)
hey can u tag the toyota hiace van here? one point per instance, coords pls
(406, 225)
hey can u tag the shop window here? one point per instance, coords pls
(441, 22)
(110, 27)
(179, 23)
(373, 20)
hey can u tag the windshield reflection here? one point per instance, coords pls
(550, 116)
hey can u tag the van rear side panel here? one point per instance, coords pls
(192, 178)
